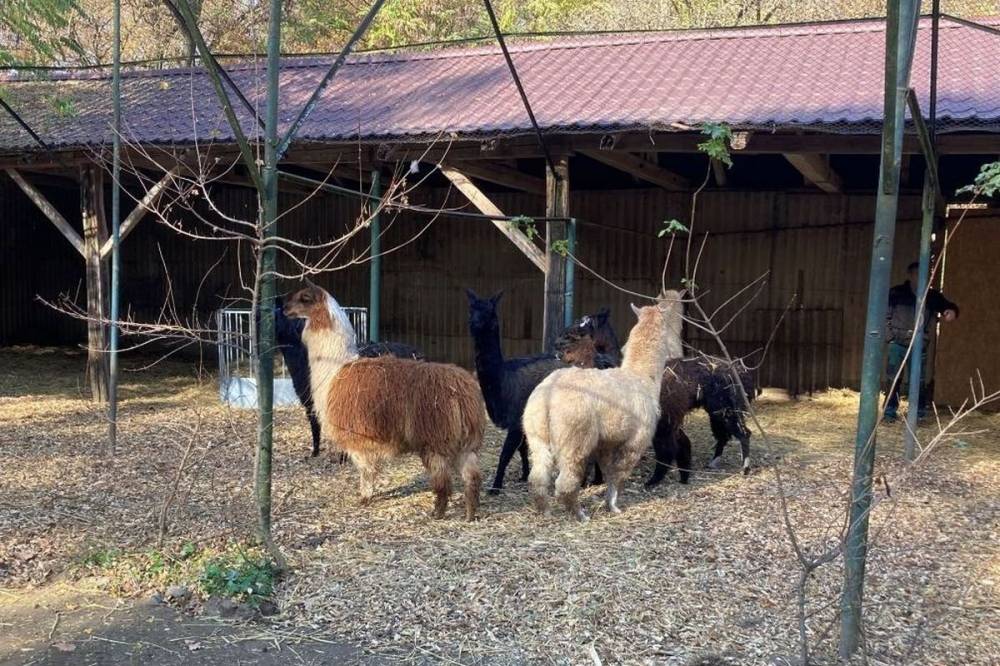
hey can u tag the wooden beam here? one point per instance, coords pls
(556, 205)
(49, 210)
(719, 173)
(95, 233)
(816, 169)
(145, 205)
(640, 168)
(487, 207)
(501, 174)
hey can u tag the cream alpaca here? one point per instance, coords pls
(378, 408)
(578, 414)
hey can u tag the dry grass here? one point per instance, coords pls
(686, 572)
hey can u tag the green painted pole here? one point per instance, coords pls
(900, 34)
(928, 208)
(116, 170)
(375, 269)
(265, 303)
(570, 271)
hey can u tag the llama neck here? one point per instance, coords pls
(651, 344)
(489, 368)
(331, 345)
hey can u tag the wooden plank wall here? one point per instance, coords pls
(815, 243)
(967, 346)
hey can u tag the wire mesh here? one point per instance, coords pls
(236, 345)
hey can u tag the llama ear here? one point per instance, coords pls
(471, 296)
(603, 315)
(496, 297)
(634, 309)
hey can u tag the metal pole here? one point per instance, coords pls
(570, 270)
(265, 349)
(900, 29)
(928, 205)
(375, 269)
(116, 170)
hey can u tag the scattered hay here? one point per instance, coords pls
(688, 572)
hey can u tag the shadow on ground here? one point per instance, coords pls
(61, 625)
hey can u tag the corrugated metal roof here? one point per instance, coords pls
(825, 77)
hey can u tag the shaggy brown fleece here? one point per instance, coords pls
(379, 408)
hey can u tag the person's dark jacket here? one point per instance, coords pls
(902, 311)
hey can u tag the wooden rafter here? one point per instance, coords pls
(501, 174)
(816, 169)
(54, 216)
(145, 204)
(487, 207)
(640, 168)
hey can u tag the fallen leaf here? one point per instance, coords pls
(64, 647)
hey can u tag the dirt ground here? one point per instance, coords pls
(688, 574)
(62, 624)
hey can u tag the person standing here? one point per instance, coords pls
(901, 320)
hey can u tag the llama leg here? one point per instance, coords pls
(439, 470)
(368, 470)
(683, 456)
(525, 465)
(471, 476)
(568, 488)
(625, 461)
(606, 461)
(664, 449)
(314, 426)
(721, 433)
(736, 425)
(514, 440)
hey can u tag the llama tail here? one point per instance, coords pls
(473, 479)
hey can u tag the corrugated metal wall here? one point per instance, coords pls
(814, 244)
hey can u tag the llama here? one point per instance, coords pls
(688, 384)
(379, 408)
(691, 383)
(577, 414)
(288, 336)
(590, 342)
(505, 383)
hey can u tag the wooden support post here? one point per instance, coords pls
(146, 204)
(95, 234)
(60, 223)
(648, 171)
(502, 174)
(556, 205)
(816, 169)
(487, 207)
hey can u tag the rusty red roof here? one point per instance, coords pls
(822, 77)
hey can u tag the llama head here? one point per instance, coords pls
(656, 336)
(594, 328)
(320, 310)
(483, 312)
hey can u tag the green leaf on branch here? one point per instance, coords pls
(560, 247)
(525, 225)
(987, 181)
(689, 284)
(671, 227)
(720, 137)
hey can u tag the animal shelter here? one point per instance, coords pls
(796, 204)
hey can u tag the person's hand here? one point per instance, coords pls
(948, 315)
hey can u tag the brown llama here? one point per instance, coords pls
(379, 408)
(577, 414)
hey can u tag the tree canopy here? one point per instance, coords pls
(74, 32)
